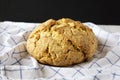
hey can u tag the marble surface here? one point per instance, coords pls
(111, 28)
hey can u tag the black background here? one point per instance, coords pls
(96, 11)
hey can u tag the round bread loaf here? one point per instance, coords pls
(62, 42)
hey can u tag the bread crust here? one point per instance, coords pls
(62, 42)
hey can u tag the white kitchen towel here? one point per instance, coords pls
(17, 64)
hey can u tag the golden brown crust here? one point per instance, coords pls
(62, 42)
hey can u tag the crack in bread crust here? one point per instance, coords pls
(62, 42)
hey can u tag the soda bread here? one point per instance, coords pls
(62, 42)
